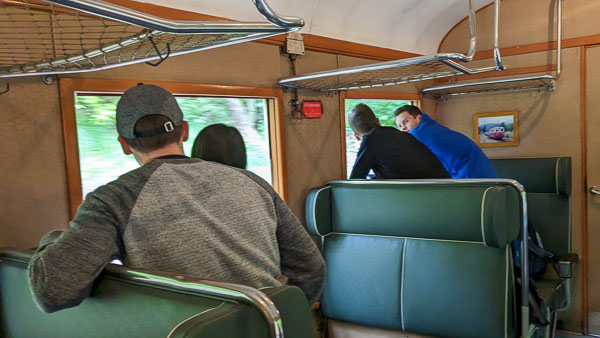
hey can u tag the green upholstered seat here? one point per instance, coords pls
(121, 307)
(547, 290)
(547, 182)
(431, 259)
(547, 175)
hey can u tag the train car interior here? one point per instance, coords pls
(511, 256)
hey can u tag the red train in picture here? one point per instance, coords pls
(497, 133)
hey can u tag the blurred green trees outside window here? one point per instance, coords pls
(102, 160)
(384, 111)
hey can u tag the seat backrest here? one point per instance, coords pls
(421, 257)
(547, 182)
(121, 306)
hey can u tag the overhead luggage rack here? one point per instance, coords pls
(543, 82)
(531, 82)
(388, 73)
(71, 36)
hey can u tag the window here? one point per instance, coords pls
(94, 157)
(382, 104)
(101, 159)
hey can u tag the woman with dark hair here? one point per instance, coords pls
(220, 143)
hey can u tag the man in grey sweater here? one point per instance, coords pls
(174, 214)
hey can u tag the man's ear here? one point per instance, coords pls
(186, 131)
(419, 118)
(124, 145)
(378, 123)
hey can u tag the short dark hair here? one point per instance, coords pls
(151, 143)
(362, 119)
(414, 111)
(222, 144)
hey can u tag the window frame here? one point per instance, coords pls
(366, 95)
(69, 87)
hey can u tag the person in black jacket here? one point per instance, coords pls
(390, 153)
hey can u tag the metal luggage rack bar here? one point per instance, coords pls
(41, 38)
(531, 82)
(388, 73)
(542, 82)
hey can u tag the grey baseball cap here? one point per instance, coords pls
(143, 100)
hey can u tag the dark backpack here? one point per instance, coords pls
(538, 256)
(538, 263)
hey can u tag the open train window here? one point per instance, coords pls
(94, 157)
(382, 104)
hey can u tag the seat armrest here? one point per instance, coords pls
(563, 264)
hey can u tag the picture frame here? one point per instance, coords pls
(499, 129)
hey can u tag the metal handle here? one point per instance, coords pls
(594, 190)
(472, 31)
(290, 22)
(497, 58)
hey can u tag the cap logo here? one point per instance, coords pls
(169, 126)
(166, 128)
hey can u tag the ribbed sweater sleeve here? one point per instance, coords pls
(64, 267)
(301, 261)
(62, 270)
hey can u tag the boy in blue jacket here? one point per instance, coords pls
(461, 157)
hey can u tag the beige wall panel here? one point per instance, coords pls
(429, 106)
(313, 145)
(33, 188)
(593, 177)
(549, 125)
(526, 22)
(247, 64)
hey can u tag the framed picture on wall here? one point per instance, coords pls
(496, 129)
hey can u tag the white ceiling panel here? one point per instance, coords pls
(416, 26)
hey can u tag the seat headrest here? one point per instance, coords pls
(550, 175)
(318, 210)
(486, 213)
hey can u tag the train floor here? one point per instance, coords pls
(567, 335)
